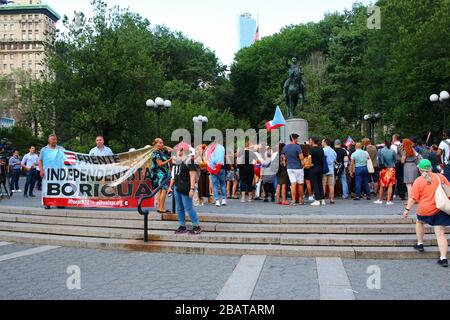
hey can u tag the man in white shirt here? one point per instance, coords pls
(100, 150)
(444, 153)
(30, 162)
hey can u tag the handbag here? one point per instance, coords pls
(442, 197)
(370, 166)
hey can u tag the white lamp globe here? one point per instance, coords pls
(196, 119)
(444, 95)
(167, 103)
(204, 119)
(366, 117)
(159, 101)
(434, 98)
(150, 103)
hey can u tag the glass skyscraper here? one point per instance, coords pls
(246, 30)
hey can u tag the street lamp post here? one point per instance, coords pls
(159, 105)
(442, 101)
(198, 129)
(372, 118)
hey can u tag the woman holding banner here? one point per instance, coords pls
(161, 171)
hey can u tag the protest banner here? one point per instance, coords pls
(79, 180)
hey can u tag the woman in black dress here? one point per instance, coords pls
(282, 177)
(246, 157)
(316, 172)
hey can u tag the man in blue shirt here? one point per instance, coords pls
(30, 163)
(293, 153)
(15, 165)
(328, 179)
(100, 150)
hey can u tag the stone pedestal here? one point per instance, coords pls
(298, 126)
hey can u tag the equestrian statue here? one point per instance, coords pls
(294, 87)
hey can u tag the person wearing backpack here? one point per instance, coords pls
(444, 153)
(397, 146)
(424, 194)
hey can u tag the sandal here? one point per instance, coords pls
(285, 203)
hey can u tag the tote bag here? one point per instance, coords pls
(441, 197)
(370, 167)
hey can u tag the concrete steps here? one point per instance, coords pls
(374, 237)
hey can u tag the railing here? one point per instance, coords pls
(145, 212)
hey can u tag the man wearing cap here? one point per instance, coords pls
(423, 193)
(293, 153)
(342, 161)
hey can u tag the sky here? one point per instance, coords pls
(214, 22)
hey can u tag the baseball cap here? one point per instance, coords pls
(338, 143)
(425, 165)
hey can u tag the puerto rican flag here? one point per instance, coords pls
(71, 158)
(349, 142)
(277, 122)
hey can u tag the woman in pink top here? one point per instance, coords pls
(423, 193)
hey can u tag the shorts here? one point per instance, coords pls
(328, 180)
(387, 177)
(296, 176)
(440, 219)
(231, 176)
(376, 175)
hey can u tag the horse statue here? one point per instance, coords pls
(294, 87)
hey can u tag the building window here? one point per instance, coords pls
(11, 27)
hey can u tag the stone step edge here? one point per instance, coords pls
(218, 237)
(218, 227)
(211, 217)
(220, 249)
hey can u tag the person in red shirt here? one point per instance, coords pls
(423, 193)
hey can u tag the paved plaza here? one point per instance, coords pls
(130, 275)
(49, 273)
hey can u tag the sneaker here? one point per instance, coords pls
(390, 203)
(195, 231)
(13, 191)
(224, 203)
(19, 191)
(181, 230)
(378, 202)
(217, 203)
(266, 200)
(316, 203)
(25, 195)
(32, 196)
(419, 248)
(323, 203)
(311, 199)
(47, 207)
(443, 263)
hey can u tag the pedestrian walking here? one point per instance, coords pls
(423, 194)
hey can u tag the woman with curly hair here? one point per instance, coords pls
(161, 171)
(410, 159)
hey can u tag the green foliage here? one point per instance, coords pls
(21, 138)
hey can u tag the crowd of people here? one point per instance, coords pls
(317, 171)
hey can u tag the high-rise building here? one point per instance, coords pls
(26, 26)
(246, 30)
